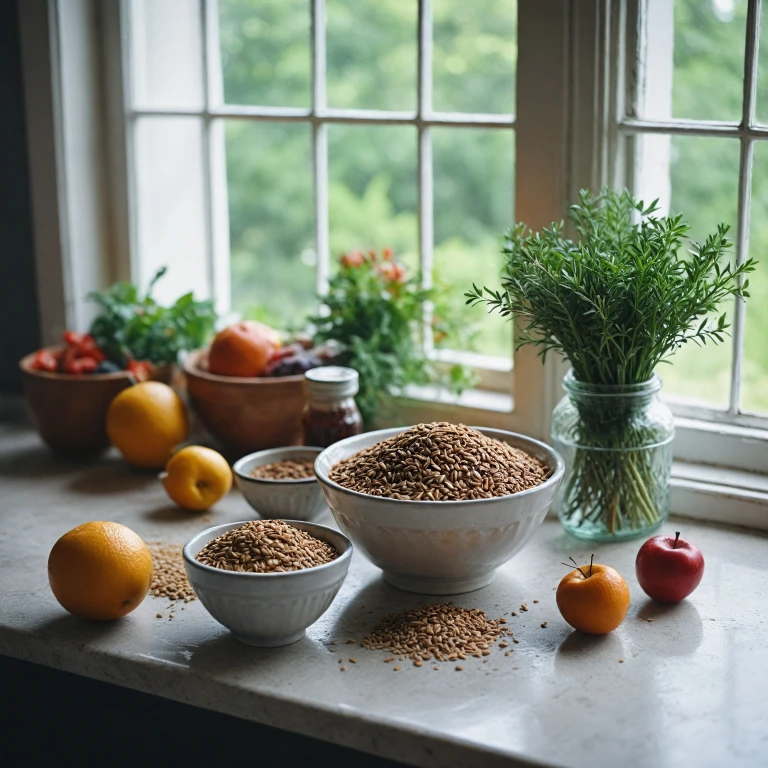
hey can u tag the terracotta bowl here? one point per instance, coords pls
(70, 412)
(245, 414)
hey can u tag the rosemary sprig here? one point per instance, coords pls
(617, 302)
(621, 299)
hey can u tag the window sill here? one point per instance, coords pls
(720, 495)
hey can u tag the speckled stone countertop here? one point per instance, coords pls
(692, 689)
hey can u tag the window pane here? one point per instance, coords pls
(372, 190)
(166, 53)
(754, 394)
(697, 177)
(474, 189)
(269, 180)
(694, 59)
(265, 54)
(474, 61)
(371, 54)
(171, 206)
(762, 70)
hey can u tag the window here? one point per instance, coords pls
(247, 142)
(270, 136)
(694, 131)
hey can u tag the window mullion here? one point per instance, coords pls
(320, 146)
(745, 195)
(216, 196)
(425, 190)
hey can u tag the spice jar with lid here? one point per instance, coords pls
(331, 413)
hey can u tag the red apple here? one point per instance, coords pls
(669, 569)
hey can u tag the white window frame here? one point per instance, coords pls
(569, 134)
(706, 438)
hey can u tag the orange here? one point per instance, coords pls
(197, 477)
(243, 349)
(100, 571)
(593, 599)
(146, 422)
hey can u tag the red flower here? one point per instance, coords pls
(352, 259)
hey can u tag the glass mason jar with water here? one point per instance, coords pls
(617, 446)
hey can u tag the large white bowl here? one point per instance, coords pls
(292, 499)
(268, 609)
(439, 547)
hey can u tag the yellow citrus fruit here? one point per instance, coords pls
(197, 477)
(145, 422)
(100, 571)
(593, 599)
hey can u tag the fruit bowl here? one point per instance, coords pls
(69, 412)
(268, 609)
(439, 547)
(245, 414)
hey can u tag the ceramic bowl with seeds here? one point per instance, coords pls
(280, 482)
(267, 587)
(439, 507)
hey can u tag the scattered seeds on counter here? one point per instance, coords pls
(523, 607)
(266, 546)
(506, 653)
(441, 631)
(341, 661)
(515, 640)
(514, 613)
(621, 661)
(437, 669)
(396, 669)
(172, 616)
(535, 601)
(350, 641)
(459, 668)
(169, 578)
(440, 462)
(503, 645)
(649, 620)
(158, 615)
(287, 469)
(342, 669)
(353, 661)
(502, 621)
(543, 624)
(417, 663)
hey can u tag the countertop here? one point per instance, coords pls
(691, 689)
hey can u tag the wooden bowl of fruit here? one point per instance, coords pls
(68, 389)
(248, 389)
(68, 397)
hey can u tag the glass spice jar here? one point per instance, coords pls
(331, 413)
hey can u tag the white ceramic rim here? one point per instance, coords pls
(276, 452)
(190, 559)
(555, 459)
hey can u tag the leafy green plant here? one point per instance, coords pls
(375, 312)
(134, 326)
(617, 303)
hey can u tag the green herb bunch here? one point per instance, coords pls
(617, 302)
(376, 313)
(134, 326)
(622, 298)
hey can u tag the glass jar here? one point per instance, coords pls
(617, 446)
(331, 413)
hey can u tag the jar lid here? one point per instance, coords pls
(331, 382)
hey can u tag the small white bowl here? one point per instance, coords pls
(268, 609)
(294, 499)
(439, 547)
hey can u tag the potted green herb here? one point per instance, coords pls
(375, 312)
(135, 327)
(617, 302)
